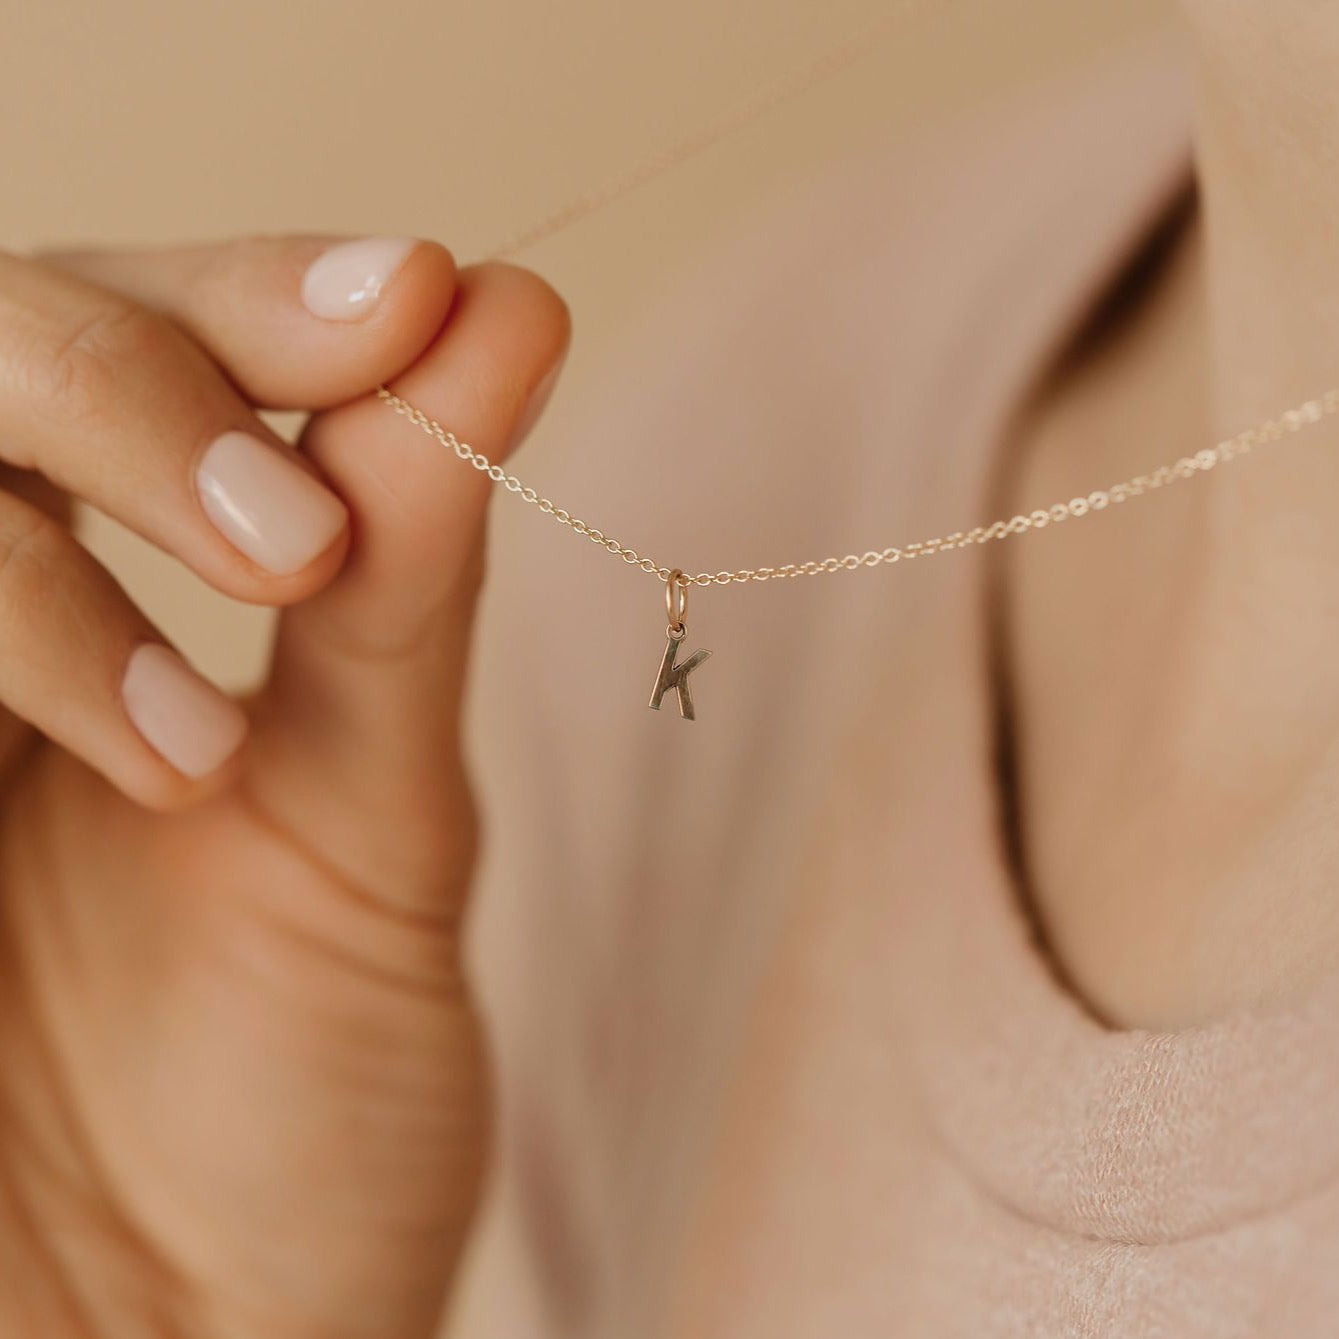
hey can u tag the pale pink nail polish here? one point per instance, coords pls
(265, 505)
(183, 717)
(343, 283)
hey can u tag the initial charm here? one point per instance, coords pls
(676, 676)
(672, 675)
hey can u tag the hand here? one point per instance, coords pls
(241, 1086)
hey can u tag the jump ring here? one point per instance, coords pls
(676, 599)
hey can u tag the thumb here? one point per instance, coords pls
(356, 743)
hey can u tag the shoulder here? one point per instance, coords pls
(932, 228)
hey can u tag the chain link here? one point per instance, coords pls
(1272, 430)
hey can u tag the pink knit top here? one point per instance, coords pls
(779, 1056)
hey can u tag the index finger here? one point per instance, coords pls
(296, 322)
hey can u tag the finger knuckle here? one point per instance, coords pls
(80, 371)
(34, 551)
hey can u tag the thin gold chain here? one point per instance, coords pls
(831, 62)
(1272, 430)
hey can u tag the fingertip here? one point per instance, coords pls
(346, 280)
(371, 307)
(417, 511)
(548, 315)
(402, 282)
(285, 529)
(194, 733)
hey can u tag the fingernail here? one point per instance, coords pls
(536, 404)
(343, 283)
(272, 510)
(182, 716)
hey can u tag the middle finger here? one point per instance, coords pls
(115, 404)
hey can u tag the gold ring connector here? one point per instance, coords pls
(676, 600)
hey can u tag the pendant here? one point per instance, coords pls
(673, 675)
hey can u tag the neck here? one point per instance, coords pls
(1268, 148)
(1177, 672)
(1266, 622)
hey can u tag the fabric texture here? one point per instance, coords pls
(778, 1055)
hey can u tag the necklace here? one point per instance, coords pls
(673, 674)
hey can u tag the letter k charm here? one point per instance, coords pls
(676, 676)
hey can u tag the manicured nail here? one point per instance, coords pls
(343, 283)
(536, 404)
(183, 717)
(265, 505)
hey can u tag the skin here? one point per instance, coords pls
(1186, 679)
(270, 953)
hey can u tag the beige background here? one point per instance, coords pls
(466, 122)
